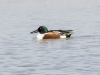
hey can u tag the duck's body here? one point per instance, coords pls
(52, 34)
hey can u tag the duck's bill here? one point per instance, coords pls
(34, 32)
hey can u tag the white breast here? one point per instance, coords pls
(40, 36)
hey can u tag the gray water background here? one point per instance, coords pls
(22, 54)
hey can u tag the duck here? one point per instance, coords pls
(44, 33)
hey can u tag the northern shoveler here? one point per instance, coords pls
(44, 33)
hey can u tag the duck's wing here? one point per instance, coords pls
(62, 31)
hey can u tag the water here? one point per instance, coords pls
(22, 54)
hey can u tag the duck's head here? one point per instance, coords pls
(41, 30)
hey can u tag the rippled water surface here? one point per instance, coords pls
(22, 54)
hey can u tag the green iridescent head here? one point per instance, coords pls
(41, 30)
